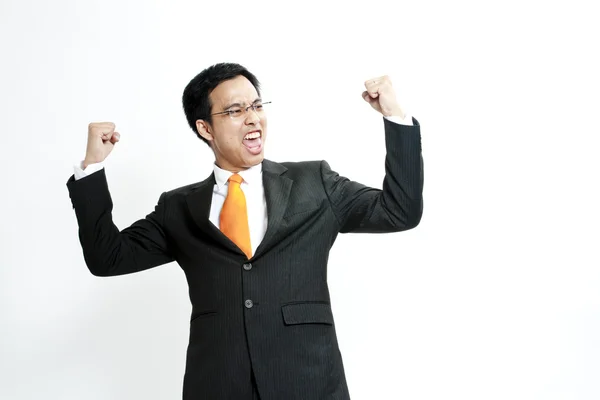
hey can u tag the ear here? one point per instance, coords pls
(204, 130)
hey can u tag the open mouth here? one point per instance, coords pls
(253, 141)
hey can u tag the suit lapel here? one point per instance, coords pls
(199, 201)
(277, 193)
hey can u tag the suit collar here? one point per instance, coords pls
(199, 201)
(273, 167)
(277, 191)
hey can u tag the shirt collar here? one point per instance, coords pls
(250, 176)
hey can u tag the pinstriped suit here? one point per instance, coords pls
(261, 325)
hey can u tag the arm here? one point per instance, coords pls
(107, 251)
(399, 205)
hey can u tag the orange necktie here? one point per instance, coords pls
(234, 216)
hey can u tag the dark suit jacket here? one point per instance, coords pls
(270, 315)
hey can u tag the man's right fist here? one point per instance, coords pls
(101, 140)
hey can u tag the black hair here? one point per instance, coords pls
(196, 99)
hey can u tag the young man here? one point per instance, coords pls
(253, 240)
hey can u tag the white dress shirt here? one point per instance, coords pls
(252, 186)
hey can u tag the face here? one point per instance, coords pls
(238, 142)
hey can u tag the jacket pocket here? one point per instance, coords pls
(201, 315)
(307, 313)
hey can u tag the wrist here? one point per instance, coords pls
(396, 112)
(86, 162)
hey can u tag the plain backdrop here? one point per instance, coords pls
(495, 295)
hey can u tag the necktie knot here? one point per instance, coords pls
(235, 178)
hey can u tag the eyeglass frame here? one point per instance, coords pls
(246, 109)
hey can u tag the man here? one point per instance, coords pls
(253, 240)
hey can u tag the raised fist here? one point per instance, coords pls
(101, 140)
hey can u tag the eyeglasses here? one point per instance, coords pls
(241, 112)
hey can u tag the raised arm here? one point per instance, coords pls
(399, 205)
(107, 251)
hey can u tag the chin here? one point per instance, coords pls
(255, 160)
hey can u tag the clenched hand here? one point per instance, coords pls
(101, 140)
(381, 96)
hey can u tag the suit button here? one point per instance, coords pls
(247, 266)
(248, 303)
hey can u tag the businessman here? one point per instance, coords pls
(253, 239)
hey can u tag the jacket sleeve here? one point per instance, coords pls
(107, 251)
(399, 205)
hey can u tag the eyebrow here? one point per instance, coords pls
(258, 99)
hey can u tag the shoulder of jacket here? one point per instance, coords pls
(185, 190)
(302, 165)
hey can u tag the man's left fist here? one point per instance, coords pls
(381, 96)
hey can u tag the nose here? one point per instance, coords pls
(252, 117)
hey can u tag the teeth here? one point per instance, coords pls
(252, 135)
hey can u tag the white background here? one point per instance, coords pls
(496, 295)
